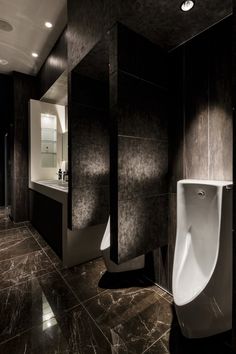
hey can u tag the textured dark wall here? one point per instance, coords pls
(6, 93)
(139, 145)
(54, 65)
(88, 21)
(234, 167)
(200, 123)
(24, 88)
(89, 151)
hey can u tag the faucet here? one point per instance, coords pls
(65, 176)
(59, 173)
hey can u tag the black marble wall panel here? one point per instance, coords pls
(176, 118)
(24, 88)
(6, 94)
(139, 147)
(196, 108)
(89, 146)
(220, 103)
(54, 65)
(200, 122)
(88, 21)
(207, 104)
(234, 169)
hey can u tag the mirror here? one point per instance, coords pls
(48, 140)
(65, 146)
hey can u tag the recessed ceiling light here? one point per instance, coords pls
(48, 24)
(3, 62)
(187, 5)
(35, 55)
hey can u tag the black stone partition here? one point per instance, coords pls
(139, 145)
(89, 141)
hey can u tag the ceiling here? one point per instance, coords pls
(163, 23)
(29, 34)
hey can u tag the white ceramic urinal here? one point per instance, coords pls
(133, 264)
(202, 272)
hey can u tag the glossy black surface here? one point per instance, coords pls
(25, 87)
(6, 93)
(48, 309)
(46, 216)
(54, 65)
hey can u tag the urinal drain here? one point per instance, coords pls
(201, 193)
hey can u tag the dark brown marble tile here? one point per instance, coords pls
(46, 338)
(73, 333)
(82, 334)
(32, 302)
(19, 269)
(37, 236)
(132, 319)
(173, 342)
(84, 279)
(16, 242)
(56, 261)
(168, 297)
(6, 224)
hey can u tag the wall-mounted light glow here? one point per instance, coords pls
(35, 55)
(3, 62)
(187, 5)
(48, 24)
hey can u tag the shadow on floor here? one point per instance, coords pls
(120, 280)
(178, 344)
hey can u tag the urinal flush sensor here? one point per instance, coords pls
(201, 193)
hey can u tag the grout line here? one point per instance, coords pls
(91, 298)
(168, 330)
(84, 307)
(25, 281)
(76, 296)
(158, 86)
(21, 255)
(159, 286)
(36, 325)
(143, 138)
(13, 228)
(199, 33)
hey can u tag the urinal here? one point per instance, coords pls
(133, 264)
(202, 271)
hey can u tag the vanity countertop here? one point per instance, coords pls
(59, 185)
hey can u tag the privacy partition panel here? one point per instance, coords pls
(138, 145)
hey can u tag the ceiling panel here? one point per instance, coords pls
(29, 34)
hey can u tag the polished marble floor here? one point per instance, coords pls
(45, 308)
